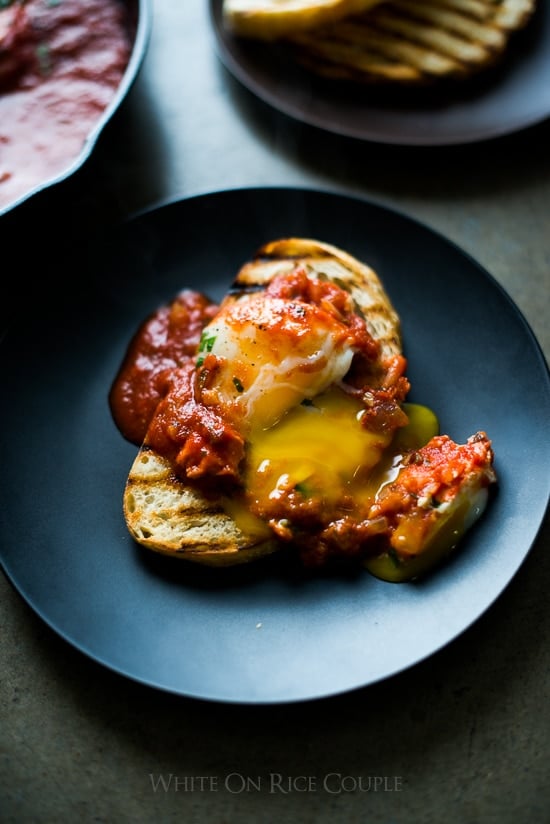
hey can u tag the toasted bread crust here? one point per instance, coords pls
(167, 515)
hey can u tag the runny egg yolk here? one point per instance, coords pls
(321, 450)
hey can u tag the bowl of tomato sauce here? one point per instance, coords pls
(65, 67)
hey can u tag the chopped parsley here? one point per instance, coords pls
(206, 344)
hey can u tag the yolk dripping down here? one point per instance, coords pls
(320, 457)
(289, 411)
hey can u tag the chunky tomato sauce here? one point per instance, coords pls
(205, 437)
(380, 384)
(163, 395)
(406, 512)
(170, 395)
(61, 62)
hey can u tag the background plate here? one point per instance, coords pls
(498, 102)
(264, 633)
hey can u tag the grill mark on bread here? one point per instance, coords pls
(414, 40)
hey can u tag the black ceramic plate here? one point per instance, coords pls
(513, 96)
(264, 633)
(140, 14)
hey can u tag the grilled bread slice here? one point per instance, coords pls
(168, 515)
(413, 41)
(171, 517)
(273, 19)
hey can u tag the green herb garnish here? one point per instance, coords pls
(206, 344)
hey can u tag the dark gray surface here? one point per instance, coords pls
(462, 737)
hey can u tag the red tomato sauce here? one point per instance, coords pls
(160, 353)
(160, 398)
(201, 443)
(61, 62)
(161, 395)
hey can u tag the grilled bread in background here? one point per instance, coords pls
(169, 516)
(410, 41)
(414, 41)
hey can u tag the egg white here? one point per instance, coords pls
(272, 354)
